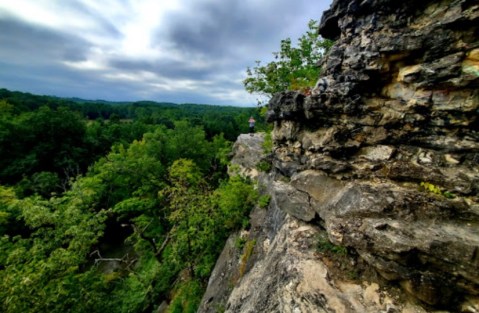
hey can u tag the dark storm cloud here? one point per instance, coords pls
(42, 79)
(171, 69)
(46, 80)
(31, 44)
(232, 35)
(212, 29)
(217, 28)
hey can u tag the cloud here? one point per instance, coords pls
(178, 51)
(24, 43)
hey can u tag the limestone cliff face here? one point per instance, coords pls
(275, 266)
(383, 159)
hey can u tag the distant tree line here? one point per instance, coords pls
(45, 141)
(229, 120)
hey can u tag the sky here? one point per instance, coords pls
(182, 51)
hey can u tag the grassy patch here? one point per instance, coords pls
(187, 297)
(264, 166)
(263, 201)
(268, 143)
(326, 246)
(248, 251)
(240, 242)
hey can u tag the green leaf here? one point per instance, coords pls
(294, 68)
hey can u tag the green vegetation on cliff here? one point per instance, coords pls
(294, 68)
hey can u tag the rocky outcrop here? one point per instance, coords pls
(275, 266)
(387, 147)
(247, 152)
(286, 275)
(382, 159)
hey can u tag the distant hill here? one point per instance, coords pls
(214, 119)
(80, 100)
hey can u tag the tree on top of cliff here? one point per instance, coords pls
(294, 68)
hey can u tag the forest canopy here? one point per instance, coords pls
(118, 207)
(114, 207)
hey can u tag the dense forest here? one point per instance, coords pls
(114, 207)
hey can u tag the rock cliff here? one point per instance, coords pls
(375, 182)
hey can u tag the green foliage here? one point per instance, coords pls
(247, 252)
(354, 275)
(40, 183)
(65, 136)
(222, 148)
(132, 119)
(240, 242)
(267, 143)
(220, 308)
(6, 108)
(235, 199)
(264, 166)
(263, 201)
(189, 142)
(263, 110)
(436, 190)
(125, 172)
(41, 268)
(190, 213)
(187, 297)
(132, 291)
(294, 68)
(449, 195)
(144, 179)
(326, 246)
(43, 141)
(431, 188)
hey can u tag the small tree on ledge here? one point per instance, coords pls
(294, 68)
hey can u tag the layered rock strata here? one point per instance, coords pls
(275, 266)
(387, 147)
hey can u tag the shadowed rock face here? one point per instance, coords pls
(383, 159)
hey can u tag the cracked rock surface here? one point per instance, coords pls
(382, 160)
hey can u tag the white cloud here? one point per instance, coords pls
(51, 14)
(87, 65)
